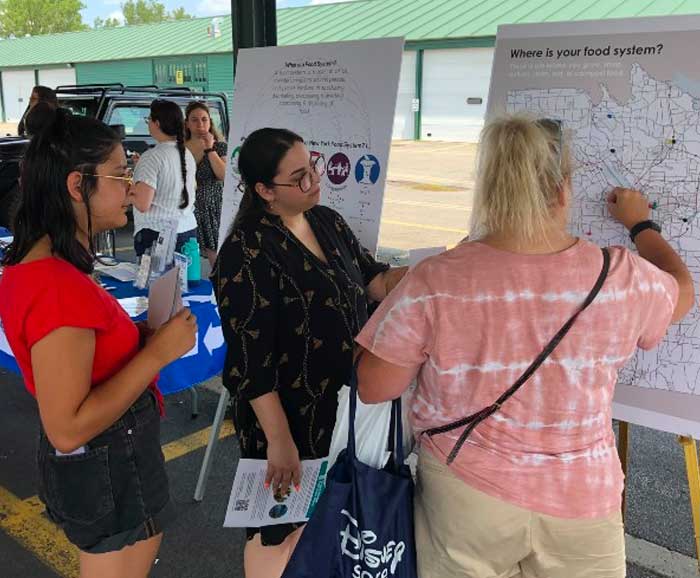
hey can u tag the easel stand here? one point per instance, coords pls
(692, 467)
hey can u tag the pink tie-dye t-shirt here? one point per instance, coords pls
(475, 317)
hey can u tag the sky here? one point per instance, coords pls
(112, 8)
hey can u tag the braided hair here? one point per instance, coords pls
(172, 123)
(61, 145)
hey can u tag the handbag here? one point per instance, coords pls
(475, 419)
(362, 526)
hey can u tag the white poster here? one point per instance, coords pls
(628, 93)
(340, 98)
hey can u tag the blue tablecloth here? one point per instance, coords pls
(205, 361)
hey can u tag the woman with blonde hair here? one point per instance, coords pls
(516, 337)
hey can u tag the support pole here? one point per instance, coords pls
(254, 24)
(693, 470)
(418, 114)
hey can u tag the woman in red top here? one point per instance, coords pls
(101, 470)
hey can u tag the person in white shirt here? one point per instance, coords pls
(164, 181)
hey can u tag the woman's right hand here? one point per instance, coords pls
(283, 465)
(174, 338)
(628, 206)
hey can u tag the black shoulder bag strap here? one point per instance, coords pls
(475, 419)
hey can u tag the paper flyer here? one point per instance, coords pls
(251, 505)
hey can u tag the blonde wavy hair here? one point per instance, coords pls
(522, 164)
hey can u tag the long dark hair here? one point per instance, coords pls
(38, 117)
(172, 123)
(46, 94)
(199, 105)
(66, 143)
(258, 162)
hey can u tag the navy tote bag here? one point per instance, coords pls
(362, 526)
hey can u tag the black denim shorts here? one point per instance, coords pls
(115, 493)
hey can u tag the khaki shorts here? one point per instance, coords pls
(461, 532)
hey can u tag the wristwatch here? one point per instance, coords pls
(207, 151)
(643, 226)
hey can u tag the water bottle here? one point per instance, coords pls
(194, 269)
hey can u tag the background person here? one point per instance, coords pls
(209, 151)
(164, 187)
(39, 94)
(101, 470)
(293, 285)
(540, 481)
(38, 117)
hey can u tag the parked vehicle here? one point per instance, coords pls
(123, 107)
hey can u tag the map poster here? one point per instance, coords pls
(628, 94)
(340, 98)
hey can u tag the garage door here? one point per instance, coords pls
(53, 77)
(455, 88)
(403, 118)
(16, 89)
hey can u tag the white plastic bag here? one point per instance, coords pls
(371, 430)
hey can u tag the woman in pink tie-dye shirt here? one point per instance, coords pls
(536, 488)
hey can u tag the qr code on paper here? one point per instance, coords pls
(241, 505)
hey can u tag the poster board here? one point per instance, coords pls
(628, 93)
(340, 98)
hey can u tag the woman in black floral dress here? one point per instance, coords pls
(209, 150)
(293, 285)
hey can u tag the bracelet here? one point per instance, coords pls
(207, 151)
(643, 226)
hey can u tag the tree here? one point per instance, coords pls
(108, 23)
(180, 14)
(149, 12)
(34, 17)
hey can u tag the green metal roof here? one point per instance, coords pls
(417, 20)
(121, 43)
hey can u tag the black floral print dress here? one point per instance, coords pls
(207, 203)
(289, 320)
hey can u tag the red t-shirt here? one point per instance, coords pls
(41, 296)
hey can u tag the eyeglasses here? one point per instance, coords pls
(317, 164)
(127, 179)
(147, 119)
(555, 128)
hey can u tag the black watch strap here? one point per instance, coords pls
(643, 226)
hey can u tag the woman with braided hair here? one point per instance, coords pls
(164, 180)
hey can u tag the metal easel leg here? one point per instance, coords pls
(693, 470)
(211, 446)
(195, 401)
